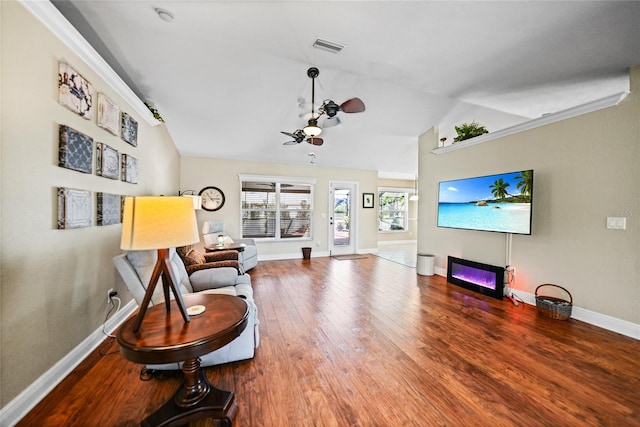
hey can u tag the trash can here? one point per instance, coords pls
(306, 253)
(425, 264)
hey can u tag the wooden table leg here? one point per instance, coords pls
(195, 399)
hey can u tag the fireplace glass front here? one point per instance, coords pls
(482, 278)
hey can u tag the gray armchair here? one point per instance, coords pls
(136, 267)
(248, 258)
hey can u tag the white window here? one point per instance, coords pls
(394, 209)
(270, 201)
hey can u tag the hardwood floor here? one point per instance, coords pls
(368, 342)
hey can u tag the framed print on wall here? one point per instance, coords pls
(108, 114)
(129, 169)
(74, 208)
(74, 91)
(108, 208)
(75, 150)
(367, 200)
(107, 161)
(129, 131)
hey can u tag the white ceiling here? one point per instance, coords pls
(227, 76)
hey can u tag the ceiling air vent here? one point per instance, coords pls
(328, 46)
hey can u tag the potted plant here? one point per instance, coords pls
(469, 130)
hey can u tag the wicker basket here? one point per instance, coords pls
(555, 308)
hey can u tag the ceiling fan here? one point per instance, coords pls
(299, 136)
(328, 108)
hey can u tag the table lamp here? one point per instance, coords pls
(159, 223)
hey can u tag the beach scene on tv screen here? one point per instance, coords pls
(499, 202)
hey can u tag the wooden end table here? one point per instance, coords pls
(166, 338)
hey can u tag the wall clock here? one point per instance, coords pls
(212, 198)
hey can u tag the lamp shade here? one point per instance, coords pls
(197, 200)
(158, 223)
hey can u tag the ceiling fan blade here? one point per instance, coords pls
(298, 136)
(315, 141)
(331, 122)
(353, 105)
(291, 143)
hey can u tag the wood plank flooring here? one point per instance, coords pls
(368, 342)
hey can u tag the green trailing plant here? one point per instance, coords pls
(154, 111)
(469, 130)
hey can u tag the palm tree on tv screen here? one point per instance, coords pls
(499, 189)
(525, 181)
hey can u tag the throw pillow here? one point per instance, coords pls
(194, 257)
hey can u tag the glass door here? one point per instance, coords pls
(342, 197)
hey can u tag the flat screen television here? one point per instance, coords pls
(501, 203)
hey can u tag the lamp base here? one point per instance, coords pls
(162, 270)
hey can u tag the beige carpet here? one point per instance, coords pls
(346, 257)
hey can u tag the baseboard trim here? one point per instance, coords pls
(397, 242)
(316, 254)
(594, 318)
(20, 406)
(613, 324)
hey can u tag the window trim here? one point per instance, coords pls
(279, 180)
(408, 192)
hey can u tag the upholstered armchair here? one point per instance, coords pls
(248, 258)
(136, 267)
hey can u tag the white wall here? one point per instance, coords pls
(54, 282)
(585, 169)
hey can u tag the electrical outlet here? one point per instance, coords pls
(110, 293)
(511, 275)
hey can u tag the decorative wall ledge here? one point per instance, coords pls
(589, 107)
(58, 24)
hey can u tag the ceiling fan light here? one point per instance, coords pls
(312, 129)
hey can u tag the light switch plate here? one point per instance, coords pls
(616, 223)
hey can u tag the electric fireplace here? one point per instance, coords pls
(482, 278)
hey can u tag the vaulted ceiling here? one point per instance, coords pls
(228, 76)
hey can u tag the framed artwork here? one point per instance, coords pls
(109, 211)
(74, 208)
(108, 114)
(367, 200)
(74, 91)
(122, 206)
(75, 150)
(129, 129)
(107, 161)
(129, 169)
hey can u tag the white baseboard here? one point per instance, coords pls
(314, 254)
(397, 242)
(367, 251)
(594, 318)
(294, 255)
(604, 321)
(20, 406)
